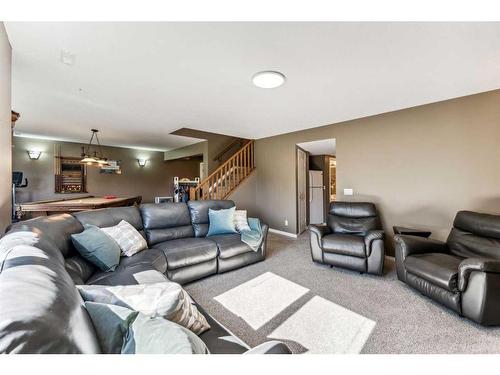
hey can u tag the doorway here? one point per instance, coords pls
(319, 171)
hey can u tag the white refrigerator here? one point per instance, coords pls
(316, 204)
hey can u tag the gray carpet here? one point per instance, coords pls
(406, 321)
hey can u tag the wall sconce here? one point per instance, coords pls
(142, 162)
(34, 155)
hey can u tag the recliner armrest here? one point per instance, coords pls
(469, 265)
(320, 230)
(409, 245)
(373, 235)
(270, 347)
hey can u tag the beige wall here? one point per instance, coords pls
(5, 130)
(419, 165)
(210, 148)
(155, 179)
(245, 195)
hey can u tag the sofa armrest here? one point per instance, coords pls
(270, 347)
(320, 230)
(316, 234)
(469, 265)
(410, 245)
(371, 236)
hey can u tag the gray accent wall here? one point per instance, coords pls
(5, 130)
(419, 165)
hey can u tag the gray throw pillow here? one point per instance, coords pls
(97, 247)
(166, 299)
(121, 330)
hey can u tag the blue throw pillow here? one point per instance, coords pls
(97, 247)
(221, 221)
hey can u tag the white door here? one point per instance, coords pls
(301, 189)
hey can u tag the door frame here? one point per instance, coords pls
(306, 172)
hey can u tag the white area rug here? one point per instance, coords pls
(324, 327)
(259, 300)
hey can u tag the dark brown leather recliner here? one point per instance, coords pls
(464, 273)
(351, 239)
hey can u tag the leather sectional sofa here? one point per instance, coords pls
(462, 273)
(41, 310)
(351, 239)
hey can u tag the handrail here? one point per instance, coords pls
(221, 182)
(229, 147)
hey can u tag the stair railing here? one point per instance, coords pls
(224, 180)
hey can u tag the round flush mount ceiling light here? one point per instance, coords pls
(268, 79)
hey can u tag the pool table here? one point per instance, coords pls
(43, 208)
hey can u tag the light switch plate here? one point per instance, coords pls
(348, 192)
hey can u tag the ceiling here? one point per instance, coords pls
(138, 82)
(321, 147)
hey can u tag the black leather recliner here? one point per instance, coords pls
(464, 273)
(352, 238)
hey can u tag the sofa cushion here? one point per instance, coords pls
(230, 245)
(219, 340)
(483, 225)
(468, 245)
(108, 217)
(353, 217)
(41, 311)
(166, 221)
(437, 268)
(152, 257)
(79, 269)
(198, 211)
(53, 232)
(185, 252)
(345, 244)
(130, 275)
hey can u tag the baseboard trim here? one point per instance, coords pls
(283, 233)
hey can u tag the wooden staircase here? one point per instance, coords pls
(226, 178)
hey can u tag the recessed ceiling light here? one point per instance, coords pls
(268, 79)
(67, 57)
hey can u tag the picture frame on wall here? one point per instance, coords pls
(112, 167)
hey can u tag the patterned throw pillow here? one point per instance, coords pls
(166, 299)
(127, 237)
(240, 220)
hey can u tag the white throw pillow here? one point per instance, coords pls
(127, 237)
(166, 299)
(241, 221)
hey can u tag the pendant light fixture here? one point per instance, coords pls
(92, 154)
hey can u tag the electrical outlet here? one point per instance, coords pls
(286, 222)
(348, 191)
